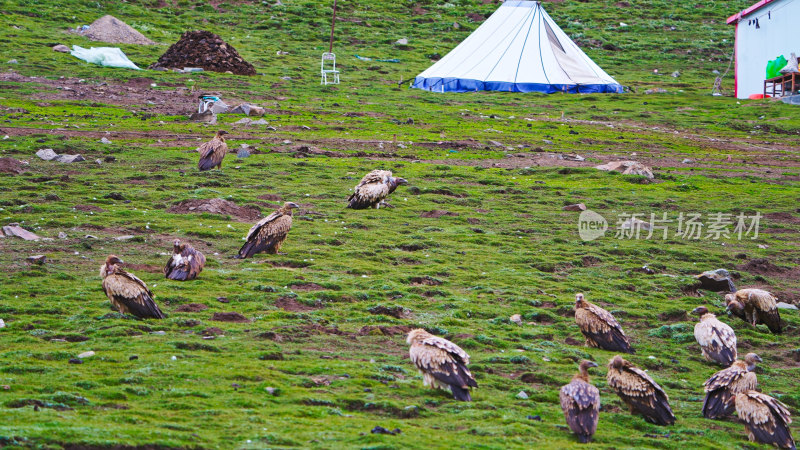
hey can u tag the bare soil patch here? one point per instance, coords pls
(761, 266)
(191, 307)
(216, 206)
(783, 217)
(229, 317)
(11, 165)
(437, 213)
(291, 304)
(304, 287)
(87, 208)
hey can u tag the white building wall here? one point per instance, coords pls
(778, 34)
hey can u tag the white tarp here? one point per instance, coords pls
(104, 56)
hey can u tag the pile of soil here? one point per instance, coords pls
(110, 29)
(216, 206)
(203, 49)
(10, 165)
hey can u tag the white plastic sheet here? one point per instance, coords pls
(104, 56)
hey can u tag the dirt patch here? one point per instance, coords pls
(425, 281)
(673, 316)
(589, 261)
(10, 165)
(204, 49)
(110, 29)
(436, 213)
(291, 304)
(229, 317)
(761, 266)
(572, 341)
(783, 217)
(191, 307)
(216, 206)
(304, 287)
(87, 208)
(395, 311)
(384, 330)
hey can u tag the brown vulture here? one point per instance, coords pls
(717, 340)
(722, 387)
(185, 264)
(269, 233)
(580, 401)
(442, 363)
(128, 293)
(642, 395)
(373, 189)
(212, 152)
(755, 306)
(765, 419)
(599, 327)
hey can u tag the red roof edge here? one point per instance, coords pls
(736, 17)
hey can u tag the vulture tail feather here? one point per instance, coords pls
(717, 405)
(460, 393)
(206, 164)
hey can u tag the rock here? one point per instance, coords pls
(76, 361)
(516, 318)
(159, 333)
(305, 127)
(628, 168)
(716, 281)
(88, 354)
(14, 230)
(574, 157)
(496, 144)
(522, 395)
(37, 259)
(47, 154)
(105, 141)
(69, 158)
(126, 237)
(13, 61)
(547, 141)
(98, 161)
(248, 110)
(676, 74)
(656, 91)
(456, 26)
(2, 323)
(270, 390)
(687, 161)
(62, 235)
(402, 41)
(575, 207)
(61, 48)
(380, 430)
(287, 78)
(223, 299)
(287, 142)
(784, 305)
(90, 236)
(244, 121)
(133, 358)
(260, 122)
(243, 153)
(206, 116)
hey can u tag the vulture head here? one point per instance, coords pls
(578, 300)
(585, 366)
(417, 335)
(751, 359)
(221, 133)
(288, 207)
(616, 362)
(734, 306)
(177, 246)
(700, 311)
(112, 262)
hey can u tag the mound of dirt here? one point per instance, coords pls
(306, 287)
(191, 307)
(204, 49)
(216, 206)
(110, 29)
(436, 213)
(229, 317)
(10, 165)
(290, 304)
(761, 266)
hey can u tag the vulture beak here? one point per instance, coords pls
(758, 358)
(696, 310)
(591, 364)
(402, 181)
(293, 205)
(222, 132)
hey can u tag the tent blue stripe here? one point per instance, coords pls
(438, 84)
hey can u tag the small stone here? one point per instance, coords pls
(259, 122)
(13, 61)
(575, 207)
(244, 121)
(305, 127)
(88, 354)
(286, 142)
(126, 237)
(98, 161)
(62, 235)
(90, 236)
(286, 78)
(495, 143)
(716, 281)
(537, 418)
(61, 48)
(69, 158)
(676, 74)
(784, 305)
(656, 91)
(242, 153)
(270, 390)
(517, 319)
(174, 358)
(37, 259)
(402, 41)
(522, 395)
(105, 141)
(158, 333)
(687, 161)
(2, 323)
(133, 357)
(547, 141)
(76, 361)
(47, 154)
(222, 299)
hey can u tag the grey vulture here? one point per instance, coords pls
(442, 363)
(128, 293)
(269, 233)
(717, 340)
(373, 189)
(755, 306)
(599, 327)
(765, 419)
(185, 262)
(580, 401)
(642, 395)
(722, 387)
(212, 152)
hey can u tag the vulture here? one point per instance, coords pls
(642, 395)
(755, 306)
(212, 152)
(373, 189)
(442, 363)
(128, 293)
(765, 419)
(599, 327)
(722, 387)
(717, 340)
(269, 233)
(185, 263)
(580, 401)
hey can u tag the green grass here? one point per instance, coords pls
(509, 248)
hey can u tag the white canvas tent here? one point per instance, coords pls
(519, 48)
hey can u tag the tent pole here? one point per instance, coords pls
(333, 24)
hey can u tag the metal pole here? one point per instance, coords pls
(333, 24)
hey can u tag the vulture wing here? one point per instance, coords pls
(445, 362)
(267, 235)
(373, 188)
(580, 402)
(186, 265)
(130, 295)
(211, 154)
(717, 340)
(766, 419)
(722, 387)
(635, 387)
(602, 330)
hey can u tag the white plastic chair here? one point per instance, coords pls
(329, 68)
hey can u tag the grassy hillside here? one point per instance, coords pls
(477, 236)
